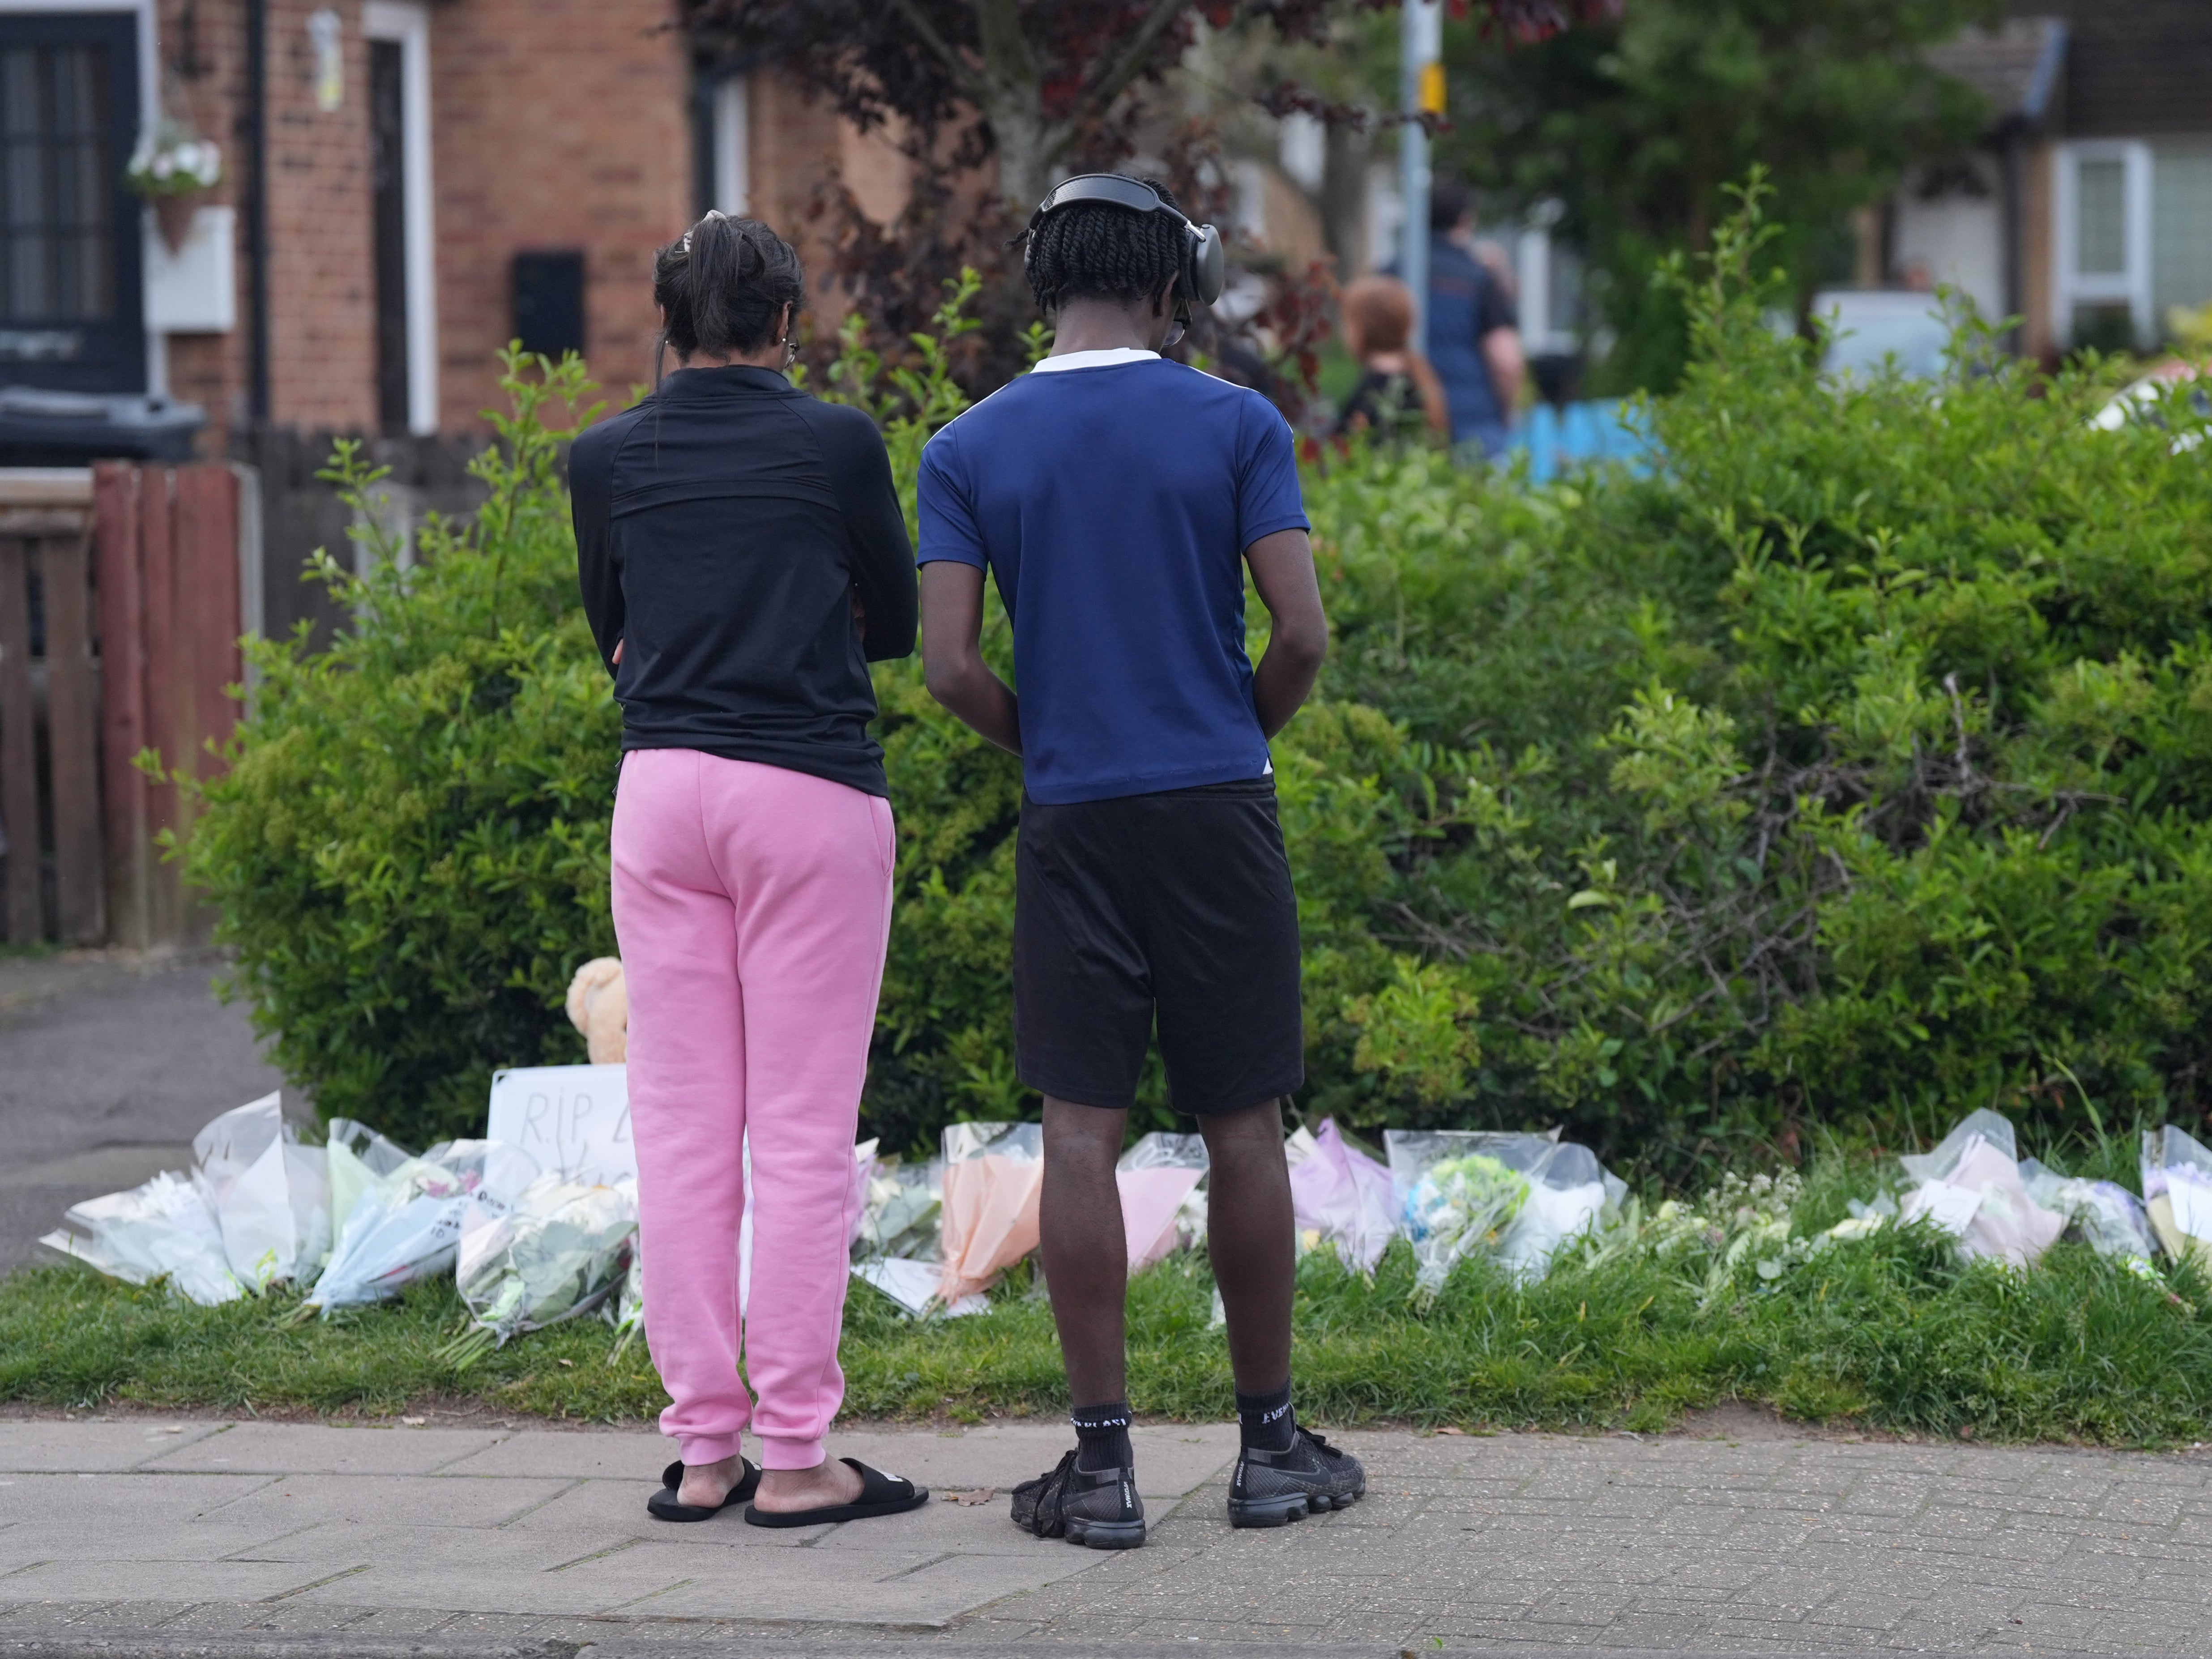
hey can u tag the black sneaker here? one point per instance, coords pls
(1097, 1507)
(1272, 1488)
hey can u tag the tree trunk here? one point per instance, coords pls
(1013, 103)
(1029, 146)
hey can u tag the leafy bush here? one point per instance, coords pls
(409, 847)
(1853, 762)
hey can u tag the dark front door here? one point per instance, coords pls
(387, 117)
(71, 318)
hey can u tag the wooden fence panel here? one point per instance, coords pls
(122, 703)
(138, 572)
(73, 740)
(19, 745)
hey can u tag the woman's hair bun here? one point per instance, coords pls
(724, 284)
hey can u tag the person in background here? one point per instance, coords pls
(742, 559)
(1475, 333)
(1399, 394)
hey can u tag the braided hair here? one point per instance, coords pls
(1095, 250)
(724, 284)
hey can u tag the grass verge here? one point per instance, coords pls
(1886, 1333)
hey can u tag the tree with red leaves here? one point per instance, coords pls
(1049, 79)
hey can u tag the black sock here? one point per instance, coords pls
(1265, 1420)
(1103, 1434)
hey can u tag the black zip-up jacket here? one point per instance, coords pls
(723, 527)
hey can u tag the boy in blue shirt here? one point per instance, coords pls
(1117, 498)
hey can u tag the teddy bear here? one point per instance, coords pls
(599, 1006)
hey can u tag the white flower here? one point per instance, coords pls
(164, 166)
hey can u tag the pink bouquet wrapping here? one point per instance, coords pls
(1341, 1197)
(994, 1175)
(1156, 1176)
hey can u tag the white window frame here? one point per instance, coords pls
(408, 21)
(2071, 288)
(733, 145)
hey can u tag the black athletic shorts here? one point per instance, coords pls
(1179, 902)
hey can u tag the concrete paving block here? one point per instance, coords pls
(455, 1586)
(300, 1619)
(45, 1446)
(95, 1617)
(343, 1541)
(636, 1456)
(894, 1590)
(32, 1499)
(86, 1578)
(983, 1529)
(127, 1537)
(317, 1448)
(396, 1500)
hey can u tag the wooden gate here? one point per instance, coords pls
(49, 733)
(124, 590)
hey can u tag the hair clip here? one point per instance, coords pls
(711, 213)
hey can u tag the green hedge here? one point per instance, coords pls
(1853, 762)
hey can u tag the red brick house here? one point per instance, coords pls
(407, 185)
(2087, 209)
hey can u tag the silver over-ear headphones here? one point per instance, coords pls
(1203, 258)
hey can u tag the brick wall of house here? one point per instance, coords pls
(322, 327)
(555, 124)
(322, 292)
(558, 124)
(204, 58)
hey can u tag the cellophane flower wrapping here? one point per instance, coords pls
(1341, 1197)
(1157, 1177)
(1971, 1187)
(1455, 1194)
(558, 1250)
(162, 1229)
(1516, 1198)
(407, 1224)
(994, 1176)
(270, 1195)
(900, 1212)
(2177, 1184)
(2110, 1219)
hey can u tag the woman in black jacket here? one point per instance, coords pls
(743, 558)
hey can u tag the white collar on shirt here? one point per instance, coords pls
(1096, 359)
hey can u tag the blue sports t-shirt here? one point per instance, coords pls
(1112, 495)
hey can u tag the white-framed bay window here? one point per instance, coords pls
(2101, 237)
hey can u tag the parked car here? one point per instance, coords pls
(2143, 402)
(1868, 326)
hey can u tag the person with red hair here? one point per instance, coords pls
(1398, 394)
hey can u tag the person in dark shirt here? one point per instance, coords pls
(1474, 331)
(743, 558)
(1118, 499)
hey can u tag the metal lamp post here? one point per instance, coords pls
(1421, 91)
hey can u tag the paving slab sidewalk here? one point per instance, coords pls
(110, 1061)
(193, 1535)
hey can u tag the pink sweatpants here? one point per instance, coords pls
(752, 905)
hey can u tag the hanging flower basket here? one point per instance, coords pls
(171, 166)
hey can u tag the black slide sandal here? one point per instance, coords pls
(663, 1504)
(880, 1494)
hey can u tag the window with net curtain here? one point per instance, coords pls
(2180, 227)
(56, 203)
